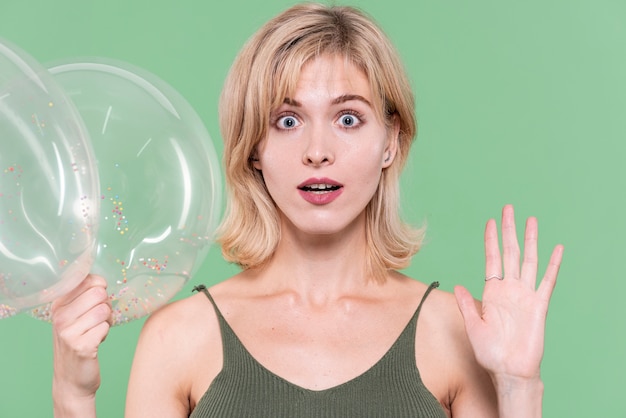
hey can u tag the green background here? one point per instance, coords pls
(518, 102)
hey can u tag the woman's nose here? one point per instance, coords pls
(319, 149)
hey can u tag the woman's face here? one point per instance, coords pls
(325, 150)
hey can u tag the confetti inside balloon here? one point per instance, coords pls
(48, 187)
(160, 183)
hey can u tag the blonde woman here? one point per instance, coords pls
(318, 118)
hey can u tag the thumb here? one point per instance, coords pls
(467, 306)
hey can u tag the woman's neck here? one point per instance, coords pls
(332, 264)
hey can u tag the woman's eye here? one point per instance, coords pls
(349, 120)
(287, 122)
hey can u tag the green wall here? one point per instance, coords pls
(518, 102)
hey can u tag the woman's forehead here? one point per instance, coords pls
(334, 74)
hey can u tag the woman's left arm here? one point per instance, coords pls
(507, 335)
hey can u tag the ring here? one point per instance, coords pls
(494, 276)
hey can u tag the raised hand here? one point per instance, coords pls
(81, 320)
(507, 332)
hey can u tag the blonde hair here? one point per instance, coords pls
(263, 74)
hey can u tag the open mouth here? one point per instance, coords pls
(320, 188)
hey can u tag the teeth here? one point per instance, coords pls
(320, 188)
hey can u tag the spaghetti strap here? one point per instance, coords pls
(431, 287)
(202, 288)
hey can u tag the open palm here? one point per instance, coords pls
(507, 331)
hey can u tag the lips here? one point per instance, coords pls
(320, 191)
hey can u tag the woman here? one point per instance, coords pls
(318, 117)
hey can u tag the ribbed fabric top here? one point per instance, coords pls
(390, 388)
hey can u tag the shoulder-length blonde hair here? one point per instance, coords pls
(263, 74)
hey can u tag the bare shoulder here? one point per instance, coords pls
(440, 324)
(177, 356)
(188, 319)
(184, 309)
(442, 319)
(446, 359)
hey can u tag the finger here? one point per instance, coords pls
(64, 315)
(83, 327)
(467, 306)
(89, 282)
(510, 246)
(546, 287)
(493, 262)
(85, 336)
(96, 333)
(529, 265)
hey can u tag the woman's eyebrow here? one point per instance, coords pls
(292, 102)
(341, 99)
(348, 97)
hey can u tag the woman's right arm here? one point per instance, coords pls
(81, 321)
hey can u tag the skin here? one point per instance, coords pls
(312, 307)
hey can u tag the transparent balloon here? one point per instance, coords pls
(49, 192)
(160, 182)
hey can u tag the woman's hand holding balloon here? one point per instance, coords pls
(507, 335)
(81, 320)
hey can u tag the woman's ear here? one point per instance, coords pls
(392, 143)
(255, 160)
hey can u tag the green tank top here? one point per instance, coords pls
(390, 388)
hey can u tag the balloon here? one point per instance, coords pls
(48, 187)
(160, 182)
